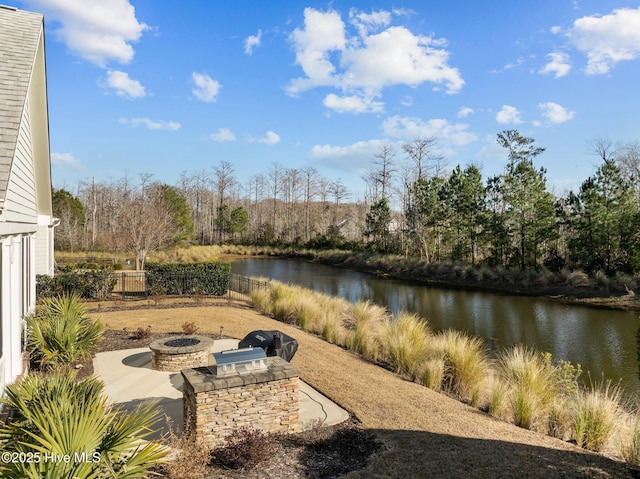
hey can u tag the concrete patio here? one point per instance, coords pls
(130, 381)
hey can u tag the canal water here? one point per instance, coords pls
(603, 341)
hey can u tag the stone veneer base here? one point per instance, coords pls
(265, 400)
(173, 359)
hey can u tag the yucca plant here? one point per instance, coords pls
(61, 332)
(57, 416)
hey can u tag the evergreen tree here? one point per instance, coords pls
(603, 219)
(377, 224)
(529, 209)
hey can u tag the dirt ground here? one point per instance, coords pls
(426, 434)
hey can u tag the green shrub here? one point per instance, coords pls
(189, 278)
(61, 332)
(56, 414)
(92, 284)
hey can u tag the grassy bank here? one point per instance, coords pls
(522, 386)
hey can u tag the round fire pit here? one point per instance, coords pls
(180, 352)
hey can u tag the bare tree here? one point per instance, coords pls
(422, 152)
(310, 178)
(275, 187)
(146, 221)
(379, 176)
(338, 192)
(224, 181)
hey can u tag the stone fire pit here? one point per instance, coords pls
(180, 352)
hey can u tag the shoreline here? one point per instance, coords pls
(582, 295)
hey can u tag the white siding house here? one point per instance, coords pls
(26, 222)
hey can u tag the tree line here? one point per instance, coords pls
(415, 206)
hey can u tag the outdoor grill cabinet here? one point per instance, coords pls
(239, 361)
(274, 343)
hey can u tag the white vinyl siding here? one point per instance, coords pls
(20, 204)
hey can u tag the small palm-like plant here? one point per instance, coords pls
(61, 332)
(57, 417)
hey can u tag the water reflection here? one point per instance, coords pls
(603, 342)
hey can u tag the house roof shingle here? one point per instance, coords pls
(19, 39)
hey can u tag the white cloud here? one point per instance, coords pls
(206, 89)
(352, 104)
(366, 22)
(123, 85)
(223, 135)
(555, 113)
(408, 129)
(251, 42)
(607, 39)
(508, 114)
(559, 65)
(151, 124)
(465, 111)
(98, 31)
(270, 138)
(354, 157)
(375, 56)
(65, 160)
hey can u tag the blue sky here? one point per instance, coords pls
(165, 88)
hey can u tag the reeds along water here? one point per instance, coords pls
(523, 386)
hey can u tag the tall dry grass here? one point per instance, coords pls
(522, 386)
(466, 365)
(597, 412)
(364, 322)
(531, 385)
(405, 343)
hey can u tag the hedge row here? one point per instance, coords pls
(188, 278)
(92, 284)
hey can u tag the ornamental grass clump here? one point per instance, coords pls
(629, 444)
(466, 365)
(364, 321)
(57, 414)
(61, 332)
(597, 411)
(405, 343)
(531, 384)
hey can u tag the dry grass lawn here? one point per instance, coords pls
(427, 434)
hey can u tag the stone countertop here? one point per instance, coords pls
(203, 379)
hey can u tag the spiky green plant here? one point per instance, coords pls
(597, 411)
(61, 332)
(57, 415)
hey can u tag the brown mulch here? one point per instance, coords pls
(425, 434)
